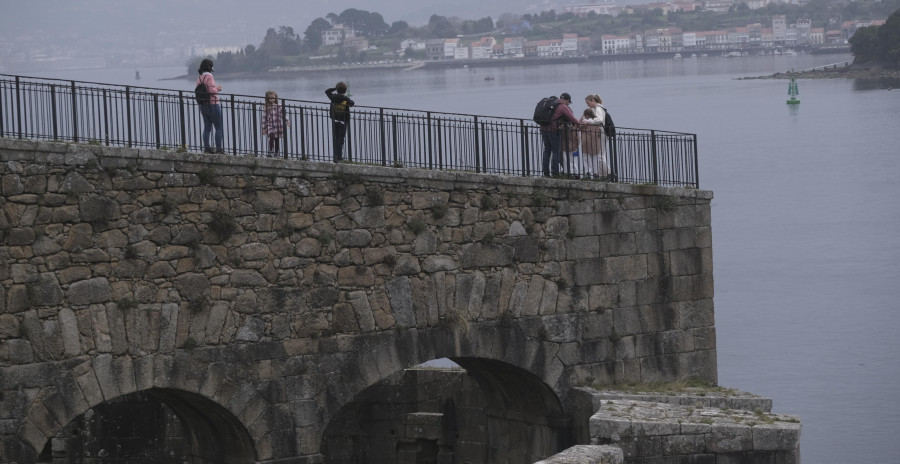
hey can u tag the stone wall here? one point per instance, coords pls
(722, 426)
(278, 291)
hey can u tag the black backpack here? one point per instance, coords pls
(543, 112)
(201, 93)
(609, 128)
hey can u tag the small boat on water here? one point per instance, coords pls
(677, 56)
(488, 78)
(137, 75)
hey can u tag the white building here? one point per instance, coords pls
(337, 34)
(607, 8)
(616, 44)
(570, 44)
(514, 46)
(779, 28)
(414, 44)
(450, 46)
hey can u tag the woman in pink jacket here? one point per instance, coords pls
(212, 112)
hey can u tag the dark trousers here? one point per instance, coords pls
(550, 158)
(338, 133)
(212, 117)
(273, 146)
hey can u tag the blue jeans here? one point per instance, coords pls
(212, 116)
(551, 157)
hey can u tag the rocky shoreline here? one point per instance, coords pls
(848, 72)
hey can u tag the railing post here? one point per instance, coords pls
(301, 119)
(156, 120)
(233, 128)
(523, 134)
(183, 119)
(654, 162)
(696, 182)
(394, 138)
(612, 157)
(284, 130)
(53, 111)
(254, 126)
(128, 115)
(105, 117)
(382, 136)
(440, 145)
(484, 163)
(430, 147)
(18, 108)
(2, 119)
(477, 151)
(74, 114)
(348, 136)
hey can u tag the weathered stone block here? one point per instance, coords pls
(400, 296)
(354, 238)
(96, 290)
(434, 264)
(476, 255)
(95, 208)
(356, 276)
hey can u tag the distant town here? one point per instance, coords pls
(779, 34)
(356, 37)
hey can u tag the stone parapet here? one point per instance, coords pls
(721, 398)
(586, 454)
(648, 431)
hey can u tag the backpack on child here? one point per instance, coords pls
(543, 112)
(201, 93)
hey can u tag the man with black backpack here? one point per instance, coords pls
(340, 118)
(551, 134)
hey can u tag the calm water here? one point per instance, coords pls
(805, 214)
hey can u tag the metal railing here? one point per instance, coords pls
(116, 115)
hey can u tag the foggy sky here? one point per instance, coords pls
(248, 19)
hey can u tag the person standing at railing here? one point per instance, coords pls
(594, 140)
(273, 122)
(551, 135)
(211, 112)
(570, 142)
(340, 117)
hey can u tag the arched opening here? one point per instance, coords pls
(484, 411)
(157, 425)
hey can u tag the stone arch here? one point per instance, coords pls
(211, 432)
(374, 356)
(490, 409)
(224, 417)
(518, 382)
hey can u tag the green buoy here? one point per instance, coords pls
(793, 92)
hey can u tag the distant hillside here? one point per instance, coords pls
(878, 46)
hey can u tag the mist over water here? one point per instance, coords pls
(805, 215)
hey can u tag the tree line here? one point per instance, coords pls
(878, 45)
(283, 46)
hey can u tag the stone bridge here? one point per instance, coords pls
(259, 300)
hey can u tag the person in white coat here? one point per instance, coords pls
(593, 142)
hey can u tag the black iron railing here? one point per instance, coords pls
(49, 109)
